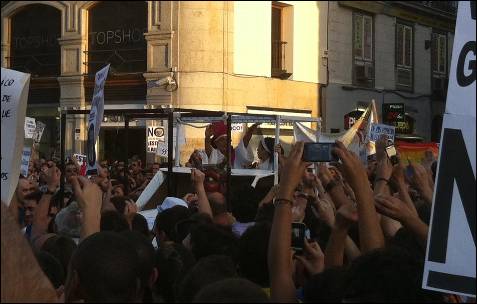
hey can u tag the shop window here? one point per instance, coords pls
(116, 36)
(35, 30)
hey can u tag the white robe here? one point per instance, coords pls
(243, 156)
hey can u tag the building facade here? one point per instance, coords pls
(257, 57)
(395, 52)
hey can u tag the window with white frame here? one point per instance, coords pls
(439, 53)
(363, 50)
(439, 64)
(404, 56)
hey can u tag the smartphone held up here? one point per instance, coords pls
(319, 152)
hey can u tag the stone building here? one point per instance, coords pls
(257, 57)
(395, 52)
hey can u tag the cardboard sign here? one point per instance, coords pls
(81, 159)
(155, 134)
(162, 149)
(26, 154)
(40, 127)
(95, 118)
(378, 129)
(450, 256)
(30, 127)
(14, 93)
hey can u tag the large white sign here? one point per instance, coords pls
(450, 256)
(95, 118)
(14, 93)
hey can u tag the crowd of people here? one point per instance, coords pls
(366, 234)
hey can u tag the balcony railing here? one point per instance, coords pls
(278, 58)
(449, 7)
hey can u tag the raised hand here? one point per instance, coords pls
(421, 180)
(381, 144)
(353, 170)
(370, 232)
(197, 177)
(346, 216)
(89, 198)
(313, 259)
(394, 208)
(292, 171)
(52, 178)
(88, 194)
(324, 174)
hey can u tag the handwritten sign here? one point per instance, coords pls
(26, 154)
(14, 93)
(40, 127)
(155, 134)
(95, 118)
(30, 127)
(162, 149)
(379, 129)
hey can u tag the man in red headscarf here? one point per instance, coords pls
(216, 146)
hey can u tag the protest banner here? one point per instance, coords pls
(416, 151)
(15, 87)
(95, 118)
(450, 255)
(379, 129)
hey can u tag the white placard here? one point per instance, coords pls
(15, 87)
(26, 155)
(30, 127)
(378, 129)
(162, 149)
(40, 127)
(150, 190)
(450, 255)
(81, 159)
(155, 134)
(95, 119)
(461, 90)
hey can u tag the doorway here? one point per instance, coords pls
(113, 145)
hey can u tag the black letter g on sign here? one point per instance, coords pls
(462, 79)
